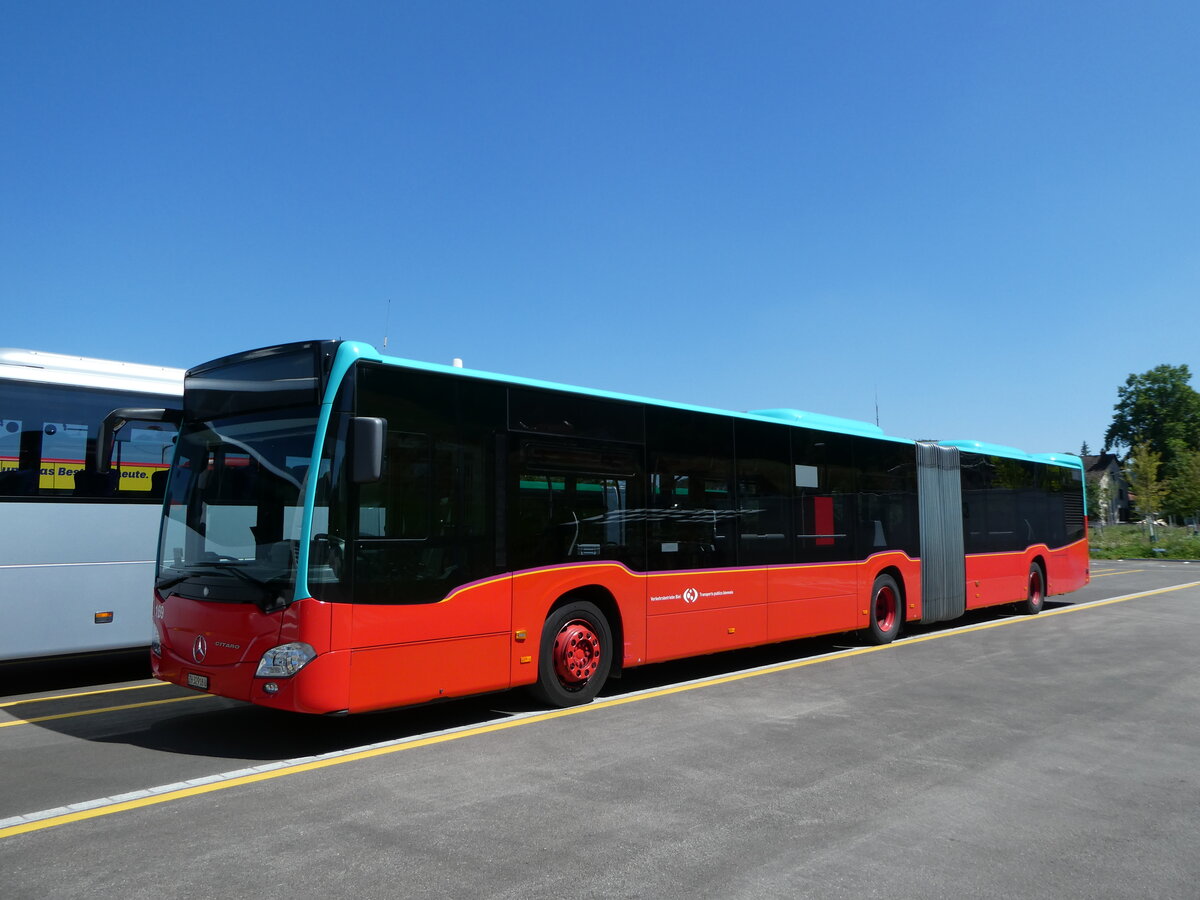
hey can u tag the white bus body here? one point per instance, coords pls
(77, 548)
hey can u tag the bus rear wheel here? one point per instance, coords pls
(575, 655)
(886, 612)
(1035, 594)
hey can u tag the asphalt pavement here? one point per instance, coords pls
(1048, 756)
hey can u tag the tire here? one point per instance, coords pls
(575, 655)
(886, 611)
(1035, 592)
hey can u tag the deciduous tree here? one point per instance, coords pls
(1146, 489)
(1183, 487)
(1159, 409)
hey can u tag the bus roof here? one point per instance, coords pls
(1057, 459)
(819, 421)
(80, 371)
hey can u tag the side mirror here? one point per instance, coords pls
(118, 419)
(366, 447)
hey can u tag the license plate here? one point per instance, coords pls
(198, 681)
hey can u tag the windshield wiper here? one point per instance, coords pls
(165, 583)
(271, 600)
(268, 601)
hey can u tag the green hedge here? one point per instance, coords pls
(1133, 542)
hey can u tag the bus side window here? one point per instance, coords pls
(692, 516)
(398, 505)
(826, 500)
(142, 456)
(64, 446)
(573, 501)
(763, 493)
(18, 477)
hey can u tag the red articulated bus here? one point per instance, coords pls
(345, 531)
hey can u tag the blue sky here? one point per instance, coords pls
(987, 214)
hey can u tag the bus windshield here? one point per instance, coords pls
(233, 513)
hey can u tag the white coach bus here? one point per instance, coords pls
(77, 547)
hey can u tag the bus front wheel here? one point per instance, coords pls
(886, 612)
(575, 656)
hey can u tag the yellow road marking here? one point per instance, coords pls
(135, 687)
(1121, 572)
(493, 727)
(107, 709)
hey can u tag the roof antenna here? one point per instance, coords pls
(877, 406)
(387, 324)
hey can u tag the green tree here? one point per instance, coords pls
(1183, 487)
(1159, 409)
(1146, 489)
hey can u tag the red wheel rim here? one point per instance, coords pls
(1035, 587)
(885, 608)
(577, 652)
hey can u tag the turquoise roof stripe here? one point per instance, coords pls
(988, 449)
(1058, 459)
(821, 421)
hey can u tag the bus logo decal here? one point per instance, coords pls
(199, 649)
(691, 595)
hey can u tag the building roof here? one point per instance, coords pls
(1101, 462)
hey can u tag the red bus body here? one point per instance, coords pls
(487, 634)
(484, 636)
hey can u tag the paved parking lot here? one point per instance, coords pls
(1050, 756)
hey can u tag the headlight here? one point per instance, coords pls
(156, 646)
(285, 660)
